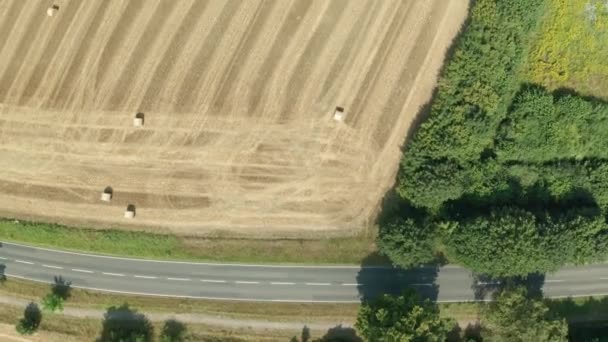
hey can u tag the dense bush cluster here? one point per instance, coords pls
(472, 99)
(514, 177)
(511, 241)
(543, 128)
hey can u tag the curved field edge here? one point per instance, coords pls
(347, 250)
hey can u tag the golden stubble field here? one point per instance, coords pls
(238, 99)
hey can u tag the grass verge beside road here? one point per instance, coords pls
(347, 250)
(58, 327)
(88, 329)
(275, 312)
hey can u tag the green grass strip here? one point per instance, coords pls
(348, 250)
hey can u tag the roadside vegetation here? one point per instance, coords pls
(345, 250)
(121, 309)
(518, 311)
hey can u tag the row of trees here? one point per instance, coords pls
(514, 316)
(121, 324)
(503, 241)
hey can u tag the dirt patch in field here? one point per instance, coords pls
(238, 98)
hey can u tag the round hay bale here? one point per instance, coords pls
(130, 212)
(107, 194)
(138, 122)
(52, 10)
(339, 114)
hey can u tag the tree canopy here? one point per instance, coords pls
(406, 242)
(513, 317)
(123, 324)
(32, 317)
(514, 242)
(402, 318)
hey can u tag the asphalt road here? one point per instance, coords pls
(273, 282)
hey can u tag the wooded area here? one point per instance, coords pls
(510, 178)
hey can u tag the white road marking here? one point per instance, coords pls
(246, 282)
(144, 277)
(83, 271)
(212, 281)
(488, 283)
(318, 284)
(51, 266)
(3, 258)
(179, 279)
(281, 283)
(24, 262)
(198, 263)
(351, 284)
(553, 280)
(604, 278)
(422, 284)
(167, 295)
(113, 274)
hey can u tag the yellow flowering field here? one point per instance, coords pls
(571, 50)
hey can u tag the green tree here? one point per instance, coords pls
(513, 242)
(52, 302)
(402, 318)
(123, 324)
(32, 316)
(513, 317)
(173, 331)
(406, 242)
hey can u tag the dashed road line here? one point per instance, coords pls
(281, 283)
(178, 279)
(113, 274)
(24, 262)
(3, 258)
(351, 284)
(82, 271)
(212, 281)
(422, 284)
(488, 283)
(246, 282)
(144, 277)
(318, 284)
(553, 281)
(51, 266)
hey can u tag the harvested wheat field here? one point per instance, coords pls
(238, 102)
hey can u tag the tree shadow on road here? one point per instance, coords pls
(2, 273)
(484, 287)
(61, 288)
(374, 281)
